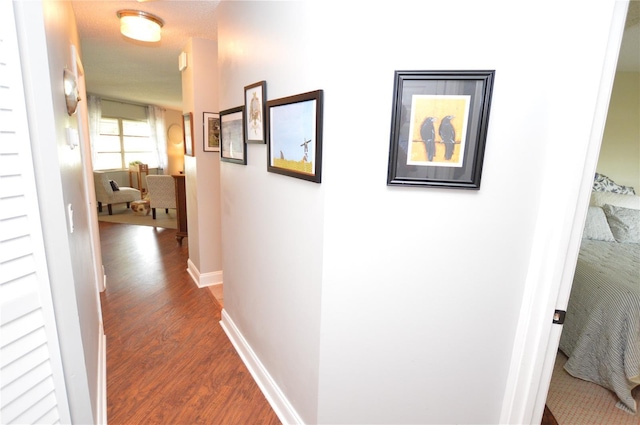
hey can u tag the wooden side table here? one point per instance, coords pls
(181, 207)
(139, 170)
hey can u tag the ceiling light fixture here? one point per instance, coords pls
(140, 25)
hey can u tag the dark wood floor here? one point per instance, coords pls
(168, 359)
(547, 417)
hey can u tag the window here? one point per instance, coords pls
(122, 141)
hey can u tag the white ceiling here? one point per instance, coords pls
(119, 68)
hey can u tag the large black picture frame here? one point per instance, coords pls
(294, 145)
(439, 127)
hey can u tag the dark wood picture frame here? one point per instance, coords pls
(232, 145)
(187, 132)
(294, 146)
(255, 112)
(210, 132)
(439, 128)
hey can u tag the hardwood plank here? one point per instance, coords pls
(548, 418)
(168, 359)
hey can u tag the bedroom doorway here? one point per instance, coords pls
(570, 399)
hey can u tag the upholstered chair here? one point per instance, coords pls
(108, 193)
(162, 192)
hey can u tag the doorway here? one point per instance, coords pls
(572, 400)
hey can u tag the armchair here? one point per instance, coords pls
(162, 193)
(106, 195)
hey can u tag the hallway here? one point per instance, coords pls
(168, 359)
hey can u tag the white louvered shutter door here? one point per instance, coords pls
(32, 388)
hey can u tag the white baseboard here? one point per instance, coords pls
(203, 280)
(102, 286)
(279, 403)
(101, 413)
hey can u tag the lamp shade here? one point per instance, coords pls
(140, 25)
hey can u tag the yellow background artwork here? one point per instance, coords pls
(437, 106)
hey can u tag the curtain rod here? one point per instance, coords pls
(126, 102)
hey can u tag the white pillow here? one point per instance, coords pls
(624, 223)
(596, 226)
(598, 199)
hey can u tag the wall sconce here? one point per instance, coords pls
(71, 95)
(140, 25)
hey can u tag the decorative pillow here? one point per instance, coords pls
(602, 183)
(596, 226)
(114, 186)
(599, 199)
(624, 223)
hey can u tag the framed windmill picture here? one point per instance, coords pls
(295, 136)
(439, 128)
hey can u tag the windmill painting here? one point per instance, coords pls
(295, 136)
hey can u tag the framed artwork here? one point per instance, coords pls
(232, 146)
(295, 136)
(187, 130)
(211, 131)
(255, 112)
(439, 126)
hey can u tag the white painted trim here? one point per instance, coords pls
(15, 27)
(551, 271)
(279, 403)
(103, 284)
(101, 402)
(193, 271)
(210, 279)
(203, 280)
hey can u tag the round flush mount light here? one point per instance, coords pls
(140, 25)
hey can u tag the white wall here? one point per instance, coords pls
(620, 152)
(46, 32)
(273, 225)
(374, 304)
(199, 95)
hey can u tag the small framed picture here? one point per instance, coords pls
(187, 131)
(232, 146)
(295, 136)
(211, 131)
(255, 112)
(439, 128)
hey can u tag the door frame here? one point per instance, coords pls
(551, 272)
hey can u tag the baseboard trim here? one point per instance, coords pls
(101, 413)
(102, 285)
(279, 403)
(202, 280)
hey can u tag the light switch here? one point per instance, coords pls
(72, 137)
(70, 217)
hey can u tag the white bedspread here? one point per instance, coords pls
(601, 334)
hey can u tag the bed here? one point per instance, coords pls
(601, 333)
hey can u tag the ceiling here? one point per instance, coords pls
(120, 68)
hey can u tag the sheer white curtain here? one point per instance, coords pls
(94, 107)
(155, 116)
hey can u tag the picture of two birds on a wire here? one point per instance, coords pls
(437, 130)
